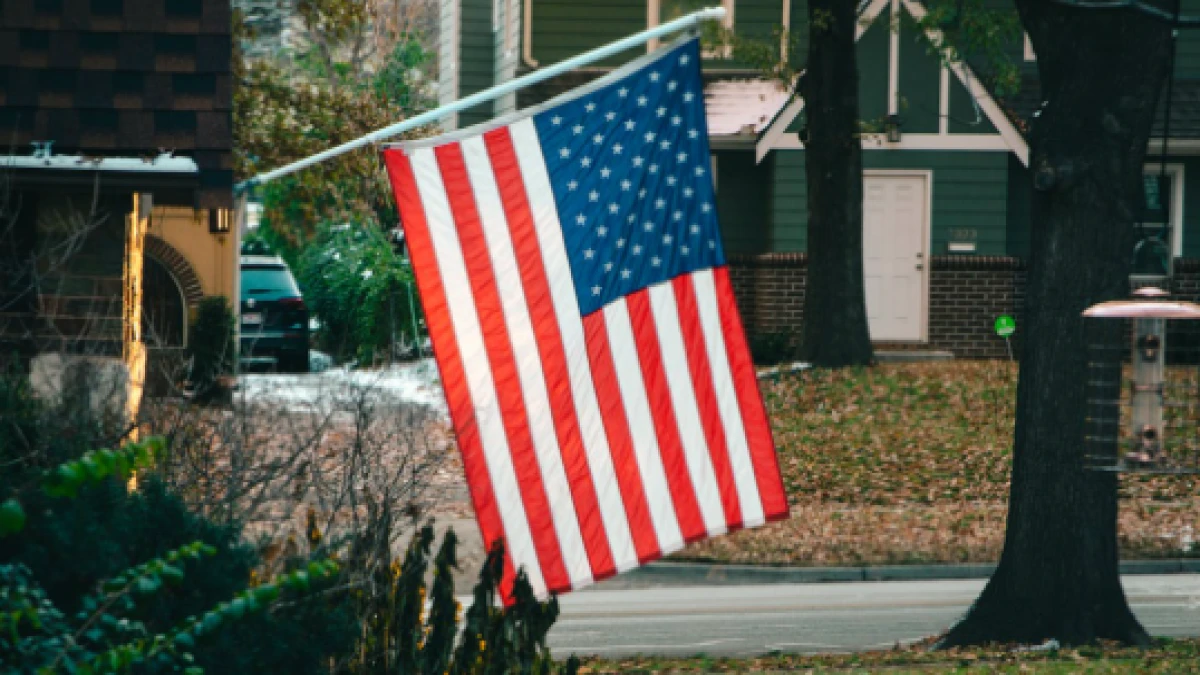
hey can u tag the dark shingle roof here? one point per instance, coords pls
(121, 78)
(1185, 107)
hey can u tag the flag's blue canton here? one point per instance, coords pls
(630, 169)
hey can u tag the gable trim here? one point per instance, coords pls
(1008, 137)
(940, 142)
(1014, 139)
(944, 101)
(775, 130)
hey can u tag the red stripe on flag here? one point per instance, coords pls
(745, 380)
(670, 445)
(620, 441)
(450, 364)
(550, 348)
(509, 395)
(706, 397)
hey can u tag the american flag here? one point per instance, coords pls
(575, 290)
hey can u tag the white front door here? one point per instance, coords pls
(895, 261)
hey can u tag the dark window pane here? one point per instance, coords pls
(1158, 198)
(268, 282)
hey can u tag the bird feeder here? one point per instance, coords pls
(1143, 398)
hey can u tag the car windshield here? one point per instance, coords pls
(268, 282)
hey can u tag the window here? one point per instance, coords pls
(268, 282)
(661, 11)
(1161, 218)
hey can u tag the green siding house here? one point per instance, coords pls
(946, 192)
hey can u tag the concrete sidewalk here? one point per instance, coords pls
(668, 574)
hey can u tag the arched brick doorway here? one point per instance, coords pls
(170, 291)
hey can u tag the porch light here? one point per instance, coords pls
(220, 221)
(892, 127)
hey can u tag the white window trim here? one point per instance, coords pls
(944, 101)
(510, 12)
(1176, 173)
(893, 102)
(502, 22)
(785, 40)
(654, 18)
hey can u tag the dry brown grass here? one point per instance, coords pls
(910, 463)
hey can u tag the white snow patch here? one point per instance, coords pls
(414, 383)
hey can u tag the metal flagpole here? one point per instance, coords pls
(598, 54)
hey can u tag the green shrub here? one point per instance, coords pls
(772, 348)
(210, 345)
(358, 287)
(125, 554)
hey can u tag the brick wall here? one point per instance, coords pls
(1186, 283)
(770, 290)
(967, 293)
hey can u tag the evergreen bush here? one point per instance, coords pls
(358, 287)
(68, 528)
(210, 346)
(772, 348)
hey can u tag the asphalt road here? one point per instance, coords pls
(809, 618)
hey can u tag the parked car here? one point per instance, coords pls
(274, 319)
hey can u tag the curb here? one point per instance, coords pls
(662, 574)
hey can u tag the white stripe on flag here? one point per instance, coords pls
(566, 308)
(641, 426)
(727, 402)
(687, 411)
(469, 336)
(529, 366)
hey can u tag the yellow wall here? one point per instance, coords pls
(212, 256)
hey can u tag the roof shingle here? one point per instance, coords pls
(121, 78)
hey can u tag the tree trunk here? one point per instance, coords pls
(1101, 72)
(835, 307)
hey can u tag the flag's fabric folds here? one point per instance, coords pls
(576, 294)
